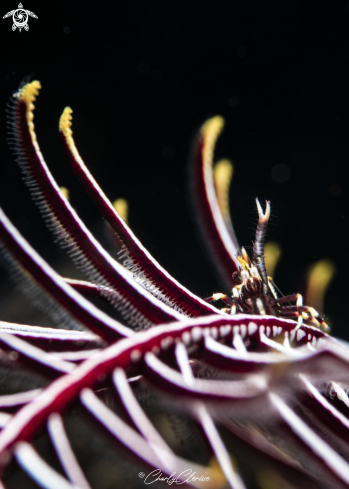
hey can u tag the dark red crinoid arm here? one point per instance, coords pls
(222, 246)
(61, 300)
(136, 304)
(262, 390)
(260, 396)
(138, 259)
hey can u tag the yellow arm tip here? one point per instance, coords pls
(319, 277)
(65, 192)
(212, 126)
(29, 92)
(222, 176)
(65, 127)
(209, 132)
(65, 122)
(121, 207)
(272, 254)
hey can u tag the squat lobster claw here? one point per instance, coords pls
(255, 293)
(258, 245)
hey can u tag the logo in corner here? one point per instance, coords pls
(20, 18)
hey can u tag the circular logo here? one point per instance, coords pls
(20, 17)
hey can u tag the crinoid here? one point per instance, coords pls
(179, 391)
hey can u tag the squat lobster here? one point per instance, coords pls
(255, 292)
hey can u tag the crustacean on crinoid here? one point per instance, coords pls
(174, 390)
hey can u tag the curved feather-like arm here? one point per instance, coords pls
(145, 268)
(136, 305)
(28, 355)
(222, 176)
(53, 338)
(129, 352)
(63, 300)
(222, 245)
(256, 399)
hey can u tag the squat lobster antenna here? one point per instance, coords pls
(258, 245)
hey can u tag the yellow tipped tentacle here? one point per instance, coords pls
(319, 277)
(121, 207)
(272, 254)
(222, 175)
(65, 192)
(65, 127)
(210, 132)
(65, 122)
(28, 94)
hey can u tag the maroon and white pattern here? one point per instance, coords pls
(254, 399)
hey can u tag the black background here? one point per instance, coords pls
(142, 76)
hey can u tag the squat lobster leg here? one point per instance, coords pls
(256, 293)
(289, 298)
(232, 302)
(219, 296)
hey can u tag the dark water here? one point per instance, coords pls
(142, 76)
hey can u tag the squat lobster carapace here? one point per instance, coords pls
(255, 292)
